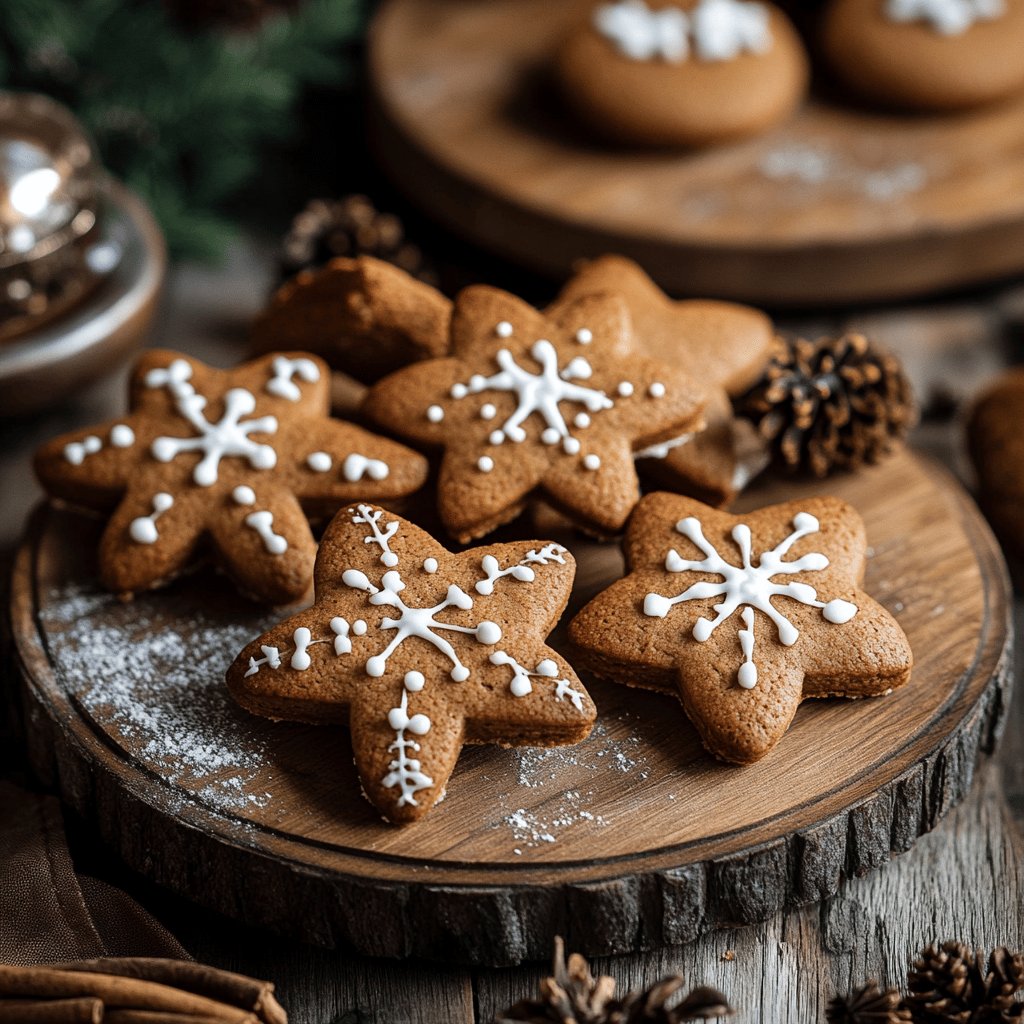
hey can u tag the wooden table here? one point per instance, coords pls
(962, 881)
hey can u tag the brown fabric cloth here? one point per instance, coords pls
(47, 912)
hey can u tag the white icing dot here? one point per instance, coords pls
(591, 462)
(419, 725)
(430, 565)
(488, 632)
(263, 458)
(319, 462)
(263, 523)
(143, 530)
(503, 329)
(488, 412)
(839, 611)
(459, 391)
(122, 436)
(357, 466)
(571, 446)
(244, 495)
(359, 627)
(581, 420)
(584, 336)
(625, 389)
(435, 413)
(414, 681)
(550, 436)
(76, 451)
(485, 463)
(656, 390)
(497, 437)
(747, 675)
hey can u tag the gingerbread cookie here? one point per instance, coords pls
(421, 651)
(528, 403)
(688, 73)
(723, 345)
(995, 438)
(927, 54)
(725, 610)
(233, 457)
(364, 316)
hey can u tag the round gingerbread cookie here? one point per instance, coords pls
(689, 73)
(927, 54)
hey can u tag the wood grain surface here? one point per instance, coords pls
(839, 204)
(634, 839)
(964, 880)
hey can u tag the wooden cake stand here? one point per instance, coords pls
(633, 839)
(837, 205)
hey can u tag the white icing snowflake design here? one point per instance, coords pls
(520, 685)
(947, 17)
(750, 587)
(520, 570)
(538, 392)
(419, 622)
(716, 30)
(228, 437)
(404, 770)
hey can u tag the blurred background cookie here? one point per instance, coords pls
(995, 441)
(927, 54)
(685, 74)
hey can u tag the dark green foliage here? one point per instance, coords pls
(183, 117)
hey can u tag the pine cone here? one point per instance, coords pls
(352, 226)
(950, 985)
(835, 403)
(868, 1005)
(574, 996)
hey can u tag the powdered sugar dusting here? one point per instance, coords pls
(573, 775)
(161, 689)
(151, 674)
(813, 165)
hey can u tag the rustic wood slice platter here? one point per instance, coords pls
(635, 838)
(838, 205)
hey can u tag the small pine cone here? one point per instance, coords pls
(868, 1005)
(351, 226)
(835, 403)
(947, 986)
(574, 996)
(1005, 978)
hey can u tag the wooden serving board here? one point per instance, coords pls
(633, 839)
(839, 204)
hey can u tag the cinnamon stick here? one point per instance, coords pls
(159, 1017)
(223, 986)
(114, 992)
(51, 1011)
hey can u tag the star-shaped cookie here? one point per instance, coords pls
(528, 403)
(723, 345)
(363, 315)
(744, 616)
(235, 458)
(420, 651)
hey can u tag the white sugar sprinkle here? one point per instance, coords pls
(163, 691)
